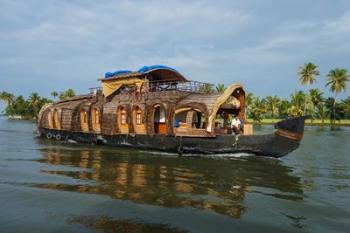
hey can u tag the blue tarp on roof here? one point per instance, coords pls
(142, 70)
(111, 74)
(146, 69)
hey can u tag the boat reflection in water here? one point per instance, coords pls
(218, 185)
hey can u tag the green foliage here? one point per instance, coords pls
(272, 103)
(220, 88)
(20, 107)
(337, 80)
(308, 73)
(206, 88)
(67, 94)
(297, 103)
(257, 109)
(54, 94)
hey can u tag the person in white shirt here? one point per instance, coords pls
(236, 124)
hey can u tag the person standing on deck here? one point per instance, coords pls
(236, 125)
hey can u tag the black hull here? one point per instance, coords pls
(270, 145)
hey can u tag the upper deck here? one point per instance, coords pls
(150, 79)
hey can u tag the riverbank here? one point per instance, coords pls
(315, 122)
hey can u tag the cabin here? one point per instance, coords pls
(154, 100)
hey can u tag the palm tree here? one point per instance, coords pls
(248, 102)
(283, 108)
(206, 88)
(7, 97)
(322, 111)
(67, 94)
(220, 88)
(258, 109)
(337, 81)
(307, 75)
(54, 94)
(316, 98)
(272, 103)
(34, 102)
(297, 103)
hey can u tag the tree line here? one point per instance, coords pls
(29, 108)
(311, 103)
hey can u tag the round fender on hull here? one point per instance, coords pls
(58, 137)
(49, 135)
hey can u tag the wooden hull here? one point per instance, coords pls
(271, 145)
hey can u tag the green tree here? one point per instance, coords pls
(322, 111)
(297, 103)
(316, 98)
(248, 102)
(258, 109)
(272, 103)
(34, 104)
(337, 82)
(54, 94)
(307, 76)
(67, 94)
(206, 88)
(6, 97)
(220, 88)
(283, 108)
(346, 107)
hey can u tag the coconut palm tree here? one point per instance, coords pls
(54, 94)
(258, 109)
(6, 97)
(248, 102)
(34, 102)
(297, 103)
(283, 108)
(322, 111)
(315, 98)
(67, 94)
(206, 88)
(337, 81)
(307, 76)
(272, 103)
(220, 88)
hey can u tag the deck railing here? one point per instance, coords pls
(95, 90)
(175, 85)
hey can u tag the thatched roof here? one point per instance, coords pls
(209, 104)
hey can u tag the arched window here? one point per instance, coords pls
(84, 121)
(57, 120)
(159, 118)
(123, 117)
(138, 116)
(96, 120)
(50, 120)
(97, 117)
(138, 122)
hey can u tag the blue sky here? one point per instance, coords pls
(54, 45)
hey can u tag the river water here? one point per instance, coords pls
(48, 186)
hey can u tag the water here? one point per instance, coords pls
(48, 186)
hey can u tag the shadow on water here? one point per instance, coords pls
(218, 185)
(107, 224)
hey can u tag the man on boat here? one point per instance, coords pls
(236, 125)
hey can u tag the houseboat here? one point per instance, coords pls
(157, 108)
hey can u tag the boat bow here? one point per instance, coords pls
(292, 128)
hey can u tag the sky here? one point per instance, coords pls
(53, 45)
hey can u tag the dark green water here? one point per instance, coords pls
(48, 186)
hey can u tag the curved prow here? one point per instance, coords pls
(292, 128)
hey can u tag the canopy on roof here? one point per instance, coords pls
(158, 72)
(147, 69)
(115, 73)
